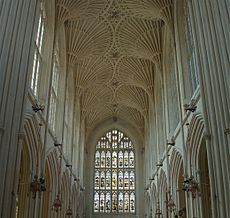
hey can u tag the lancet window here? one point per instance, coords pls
(191, 50)
(54, 91)
(37, 61)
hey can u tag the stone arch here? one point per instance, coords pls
(33, 142)
(120, 124)
(65, 191)
(75, 199)
(46, 194)
(162, 189)
(203, 178)
(51, 180)
(90, 147)
(194, 140)
(177, 175)
(199, 166)
(23, 184)
(148, 203)
(153, 196)
(53, 164)
(175, 161)
(29, 165)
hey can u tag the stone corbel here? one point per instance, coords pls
(227, 131)
(172, 142)
(191, 107)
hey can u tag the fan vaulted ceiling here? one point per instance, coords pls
(115, 49)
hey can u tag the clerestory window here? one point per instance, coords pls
(54, 92)
(191, 51)
(114, 174)
(37, 61)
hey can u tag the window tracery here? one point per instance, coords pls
(114, 174)
(54, 91)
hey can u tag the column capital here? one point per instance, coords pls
(227, 131)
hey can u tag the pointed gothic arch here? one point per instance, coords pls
(199, 166)
(29, 165)
(163, 192)
(153, 195)
(194, 139)
(23, 184)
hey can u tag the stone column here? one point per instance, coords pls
(211, 26)
(16, 42)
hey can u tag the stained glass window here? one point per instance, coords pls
(114, 175)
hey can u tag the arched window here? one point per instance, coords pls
(191, 49)
(54, 91)
(37, 62)
(114, 174)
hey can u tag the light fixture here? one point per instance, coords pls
(69, 211)
(190, 185)
(170, 203)
(57, 201)
(37, 185)
(182, 212)
(42, 184)
(34, 186)
(158, 213)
